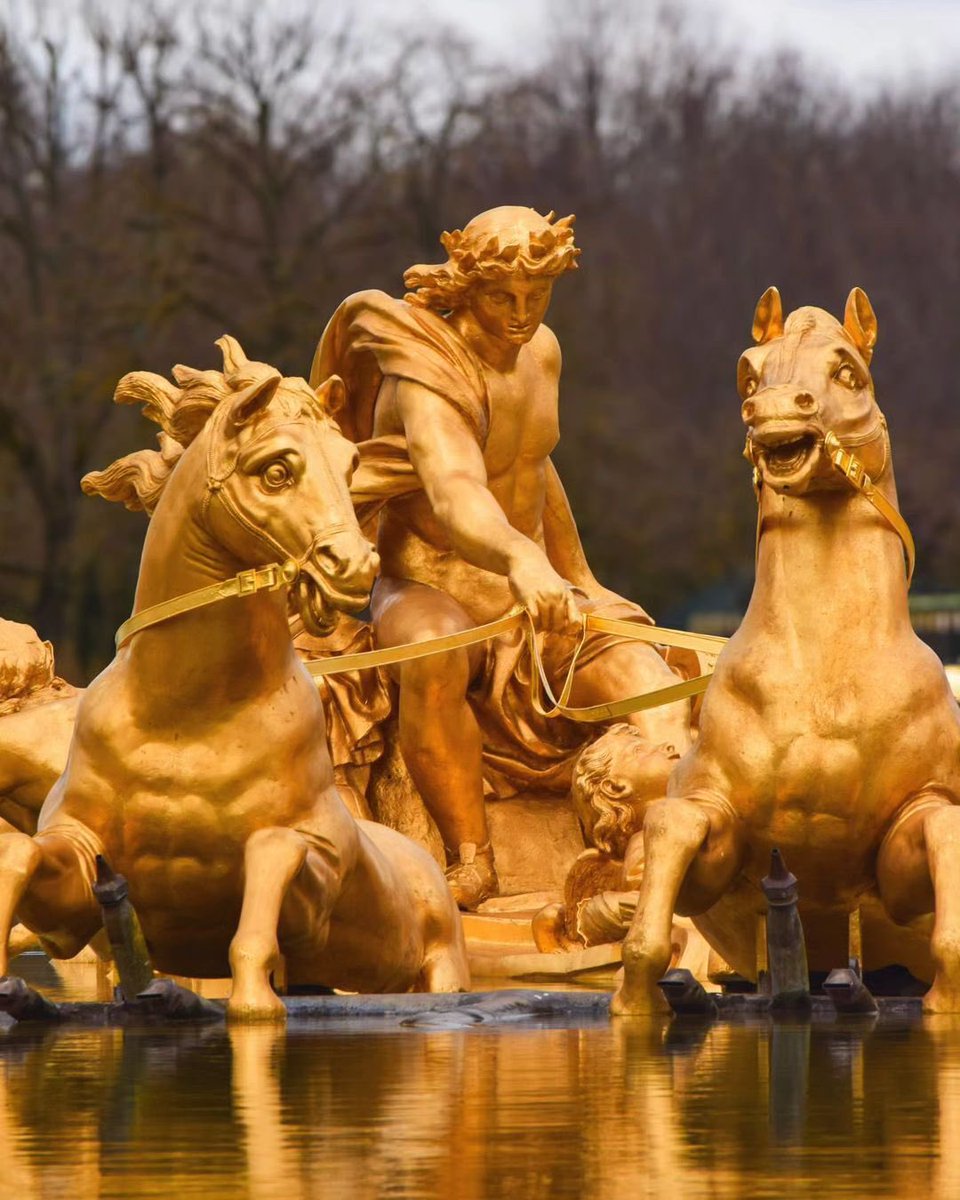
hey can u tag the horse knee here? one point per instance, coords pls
(904, 881)
(19, 855)
(276, 841)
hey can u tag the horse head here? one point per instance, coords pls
(278, 476)
(809, 376)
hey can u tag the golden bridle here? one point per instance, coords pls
(854, 472)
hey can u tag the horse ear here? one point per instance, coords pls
(253, 399)
(768, 316)
(860, 322)
(332, 394)
(233, 354)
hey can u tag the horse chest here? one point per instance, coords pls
(831, 737)
(195, 791)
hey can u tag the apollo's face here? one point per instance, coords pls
(512, 308)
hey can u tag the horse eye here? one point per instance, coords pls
(846, 376)
(275, 475)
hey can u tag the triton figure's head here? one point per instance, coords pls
(614, 780)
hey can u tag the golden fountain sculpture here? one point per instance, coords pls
(199, 766)
(829, 730)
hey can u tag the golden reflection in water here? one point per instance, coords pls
(636, 1109)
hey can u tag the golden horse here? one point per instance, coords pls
(829, 729)
(199, 765)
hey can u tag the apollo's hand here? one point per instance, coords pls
(537, 586)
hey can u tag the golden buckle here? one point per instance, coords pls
(246, 583)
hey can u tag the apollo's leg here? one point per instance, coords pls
(43, 882)
(917, 872)
(633, 669)
(691, 857)
(439, 735)
(273, 858)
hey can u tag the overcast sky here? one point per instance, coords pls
(858, 41)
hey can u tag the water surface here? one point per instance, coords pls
(518, 1110)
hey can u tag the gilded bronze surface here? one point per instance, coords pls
(454, 402)
(829, 729)
(614, 782)
(199, 766)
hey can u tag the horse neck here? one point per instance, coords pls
(230, 648)
(829, 565)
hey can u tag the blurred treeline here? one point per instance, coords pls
(168, 176)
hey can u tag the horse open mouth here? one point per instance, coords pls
(787, 458)
(318, 601)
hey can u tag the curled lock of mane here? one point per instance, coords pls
(181, 410)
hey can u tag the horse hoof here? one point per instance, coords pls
(257, 1014)
(20, 1001)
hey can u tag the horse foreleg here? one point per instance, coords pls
(273, 858)
(22, 940)
(691, 857)
(917, 871)
(673, 833)
(45, 881)
(19, 859)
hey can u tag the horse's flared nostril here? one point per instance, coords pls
(805, 402)
(332, 564)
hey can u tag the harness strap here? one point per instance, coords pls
(853, 471)
(244, 583)
(540, 684)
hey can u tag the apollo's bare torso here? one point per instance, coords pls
(524, 430)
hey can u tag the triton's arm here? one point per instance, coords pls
(450, 465)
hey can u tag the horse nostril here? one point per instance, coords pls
(805, 402)
(747, 410)
(329, 562)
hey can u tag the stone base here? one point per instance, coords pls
(535, 840)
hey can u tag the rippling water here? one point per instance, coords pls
(519, 1110)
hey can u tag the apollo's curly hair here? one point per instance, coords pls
(504, 241)
(607, 823)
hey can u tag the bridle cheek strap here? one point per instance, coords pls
(852, 469)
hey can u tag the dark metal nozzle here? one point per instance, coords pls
(686, 995)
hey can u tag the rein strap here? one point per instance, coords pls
(244, 583)
(540, 684)
(853, 471)
(275, 576)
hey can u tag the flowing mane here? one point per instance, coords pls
(181, 410)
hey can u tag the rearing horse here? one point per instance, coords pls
(828, 729)
(199, 765)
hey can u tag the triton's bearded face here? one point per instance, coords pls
(512, 308)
